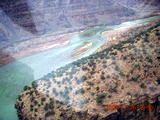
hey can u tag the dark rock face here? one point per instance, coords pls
(19, 12)
(139, 114)
(24, 19)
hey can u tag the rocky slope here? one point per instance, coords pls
(119, 75)
(25, 25)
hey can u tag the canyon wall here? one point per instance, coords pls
(25, 19)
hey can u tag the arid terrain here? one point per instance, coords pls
(119, 74)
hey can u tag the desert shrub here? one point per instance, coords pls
(49, 113)
(104, 66)
(121, 74)
(107, 57)
(32, 99)
(25, 88)
(35, 110)
(115, 76)
(131, 47)
(108, 76)
(36, 92)
(19, 98)
(46, 107)
(97, 88)
(51, 105)
(137, 66)
(113, 57)
(158, 80)
(90, 83)
(142, 85)
(117, 68)
(31, 109)
(43, 99)
(133, 79)
(118, 46)
(99, 98)
(80, 91)
(149, 59)
(73, 71)
(113, 89)
(34, 84)
(62, 94)
(84, 68)
(92, 72)
(81, 79)
(113, 53)
(157, 33)
(125, 57)
(102, 77)
(146, 39)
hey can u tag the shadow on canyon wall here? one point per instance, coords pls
(19, 12)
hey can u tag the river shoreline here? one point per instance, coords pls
(27, 48)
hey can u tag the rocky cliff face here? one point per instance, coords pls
(146, 108)
(25, 19)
